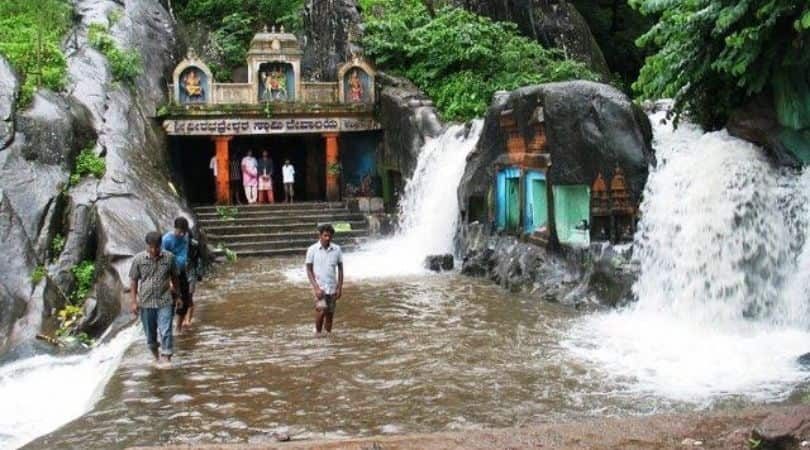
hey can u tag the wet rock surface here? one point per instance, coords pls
(9, 89)
(333, 32)
(104, 219)
(600, 275)
(551, 23)
(409, 118)
(590, 128)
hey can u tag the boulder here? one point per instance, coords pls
(409, 118)
(784, 429)
(438, 263)
(590, 128)
(555, 24)
(9, 89)
(333, 32)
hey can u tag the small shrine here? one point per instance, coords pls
(613, 211)
(601, 219)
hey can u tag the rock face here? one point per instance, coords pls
(553, 23)
(590, 127)
(409, 118)
(102, 219)
(333, 32)
(601, 275)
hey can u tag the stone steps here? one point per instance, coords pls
(278, 229)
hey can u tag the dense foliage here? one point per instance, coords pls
(230, 24)
(458, 58)
(616, 26)
(30, 37)
(712, 55)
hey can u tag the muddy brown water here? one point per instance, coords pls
(421, 354)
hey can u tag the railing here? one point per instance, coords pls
(245, 93)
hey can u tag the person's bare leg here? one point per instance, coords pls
(327, 323)
(188, 317)
(319, 315)
(155, 353)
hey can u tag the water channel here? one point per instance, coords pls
(414, 354)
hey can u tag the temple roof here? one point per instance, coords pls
(274, 41)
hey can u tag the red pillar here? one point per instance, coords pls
(223, 169)
(332, 161)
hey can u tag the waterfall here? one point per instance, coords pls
(722, 294)
(429, 210)
(42, 393)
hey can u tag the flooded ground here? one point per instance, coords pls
(420, 354)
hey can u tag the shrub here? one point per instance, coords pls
(87, 163)
(38, 274)
(85, 273)
(125, 65)
(459, 58)
(30, 36)
(57, 245)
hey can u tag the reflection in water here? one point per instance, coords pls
(409, 355)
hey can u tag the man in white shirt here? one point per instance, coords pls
(213, 166)
(324, 259)
(288, 175)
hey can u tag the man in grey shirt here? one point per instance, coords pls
(151, 273)
(324, 259)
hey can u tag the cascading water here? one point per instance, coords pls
(722, 294)
(42, 393)
(428, 209)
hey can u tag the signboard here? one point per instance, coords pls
(245, 127)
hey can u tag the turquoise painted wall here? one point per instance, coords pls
(535, 202)
(507, 203)
(571, 206)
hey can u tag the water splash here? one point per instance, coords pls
(42, 393)
(725, 271)
(428, 213)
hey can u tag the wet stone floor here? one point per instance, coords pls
(420, 354)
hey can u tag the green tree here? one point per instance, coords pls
(713, 55)
(459, 58)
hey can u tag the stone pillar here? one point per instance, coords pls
(222, 144)
(332, 158)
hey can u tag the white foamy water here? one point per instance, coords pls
(722, 295)
(42, 393)
(428, 211)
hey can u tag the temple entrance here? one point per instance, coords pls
(191, 163)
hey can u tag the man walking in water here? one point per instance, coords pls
(325, 272)
(150, 274)
(176, 242)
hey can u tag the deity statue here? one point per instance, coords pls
(191, 84)
(275, 85)
(355, 87)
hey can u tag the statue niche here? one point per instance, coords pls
(193, 86)
(276, 81)
(356, 86)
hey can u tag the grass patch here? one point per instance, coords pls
(57, 245)
(38, 274)
(30, 38)
(125, 64)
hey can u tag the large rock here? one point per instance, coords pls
(102, 219)
(333, 32)
(409, 118)
(552, 23)
(9, 89)
(784, 429)
(590, 128)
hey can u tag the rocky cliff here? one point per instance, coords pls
(102, 219)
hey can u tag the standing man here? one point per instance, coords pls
(176, 242)
(150, 274)
(288, 173)
(236, 180)
(250, 177)
(325, 272)
(213, 166)
(194, 273)
(266, 178)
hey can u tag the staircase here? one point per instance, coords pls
(278, 229)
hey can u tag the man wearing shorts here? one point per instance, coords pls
(324, 265)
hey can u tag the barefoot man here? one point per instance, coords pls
(325, 272)
(151, 272)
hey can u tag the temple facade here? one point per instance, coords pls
(327, 130)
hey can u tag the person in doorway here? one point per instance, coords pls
(213, 166)
(176, 242)
(288, 175)
(250, 179)
(266, 178)
(152, 274)
(195, 273)
(324, 264)
(236, 181)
